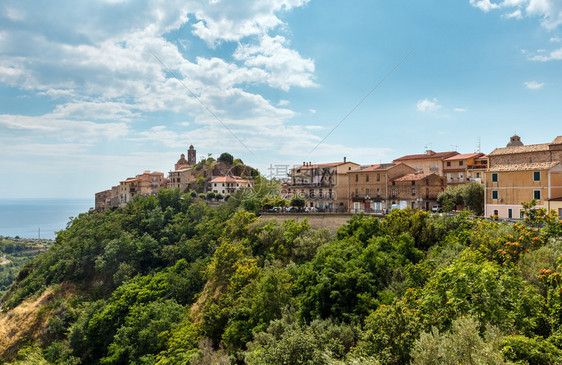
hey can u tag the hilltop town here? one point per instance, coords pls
(509, 176)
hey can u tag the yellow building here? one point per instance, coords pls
(324, 186)
(507, 186)
(519, 173)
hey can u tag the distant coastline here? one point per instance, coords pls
(29, 218)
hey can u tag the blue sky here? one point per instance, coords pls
(87, 97)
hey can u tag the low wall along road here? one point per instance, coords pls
(330, 221)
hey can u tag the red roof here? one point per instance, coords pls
(465, 156)
(425, 156)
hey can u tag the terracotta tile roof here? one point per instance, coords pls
(229, 179)
(465, 156)
(329, 164)
(425, 156)
(366, 168)
(130, 180)
(413, 177)
(520, 149)
(523, 167)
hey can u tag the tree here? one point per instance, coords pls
(297, 201)
(226, 158)
(473, 197)
(211, 195)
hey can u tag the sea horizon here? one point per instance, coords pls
(39, 217)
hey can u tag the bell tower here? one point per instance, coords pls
(191, 156)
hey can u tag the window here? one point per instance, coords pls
(461, 163)
(537, 194)
(496, 213)
(494, 177)
(477, 174)
(537, 176)
(495, 194)
(378, 177)
(413, 191)
(356, 178)
(367, 178)
(448, 163)
(510, 213)
(367, 191)
(413, 183)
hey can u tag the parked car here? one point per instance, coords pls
(437, 209)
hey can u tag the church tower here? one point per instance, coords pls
(191, 156)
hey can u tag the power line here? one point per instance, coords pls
(362, 100)
(199, 100)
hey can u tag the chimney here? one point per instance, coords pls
(344, 159)
(309, 163)
(304, 163)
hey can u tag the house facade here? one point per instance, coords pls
(228, 184)
(417, 190)
(324, 186)
(519, 173)
(430, 162)
(369, 186)
(463, 168)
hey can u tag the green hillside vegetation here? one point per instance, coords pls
(168, 280)
(14, 254)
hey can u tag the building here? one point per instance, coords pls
(102, 200)
(180, 179)
(463, 168)
(228, 184)
(147, 183)
(430, 162)
(369, 186)
(519, 173)
(556, 205)
(324, 186)
(417, 190)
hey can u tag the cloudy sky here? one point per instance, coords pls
(92, 92)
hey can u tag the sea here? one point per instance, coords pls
(39, 218)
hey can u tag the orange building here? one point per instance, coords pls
(463, 168)
(369, 186)
(430, 162)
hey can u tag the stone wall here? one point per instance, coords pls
(330, 221)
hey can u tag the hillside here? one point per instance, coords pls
(168, 280)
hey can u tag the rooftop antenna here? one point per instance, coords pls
(478, 144)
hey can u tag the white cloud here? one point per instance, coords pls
(514, 15)
(460, 110)
(63, 128)
(312, 111)
(542, 56)
(283, 102)
(285, 66)
(484, 5)
(548, 11)
(427, 105)
(533, 85)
